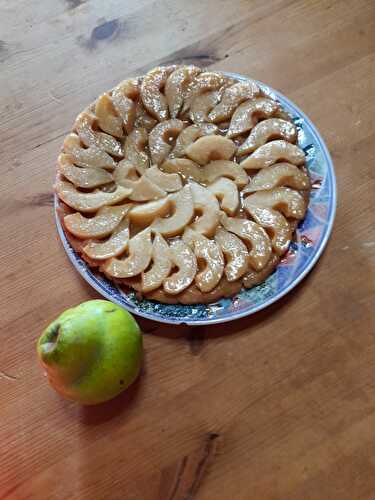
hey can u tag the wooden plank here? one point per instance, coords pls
(276, 406)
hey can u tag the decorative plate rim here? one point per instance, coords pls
(87, 274)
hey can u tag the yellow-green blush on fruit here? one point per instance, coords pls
(91, 352)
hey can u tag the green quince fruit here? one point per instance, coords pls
(91, 352)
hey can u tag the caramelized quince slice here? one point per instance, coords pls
(183, 211)
(143, 119)
(248, 113)
(184, 259)
(82, 177)
(170, 182)
(235, 252)
(161, 265)
(273, 152)
(265, 208)
(253, 278)
(113, 247)
(135, 145)
(143, 189)
(89, 157)
(265, 131)
(186, 168)
(202, 105)
(140, 251)
(280, 174)
(207, 206)
(208, 252)
(233, 96)
(288, 201)
(189, 135)
(85, 126)
(160, 139)
(89, 202)
(227, 193)
(145, 214)
(209, 148)
(153, 99)
(124, 99)
(176, 86)
(107, 117)
(204, 82)
(247, 230)
(223, 168)
(275, 223)
(125, 170)
(99, 226)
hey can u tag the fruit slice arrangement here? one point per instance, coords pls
(183, 184)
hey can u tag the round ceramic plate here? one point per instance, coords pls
(310, 239)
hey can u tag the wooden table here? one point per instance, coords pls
(278, 406)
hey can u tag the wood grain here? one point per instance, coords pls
(279, 406)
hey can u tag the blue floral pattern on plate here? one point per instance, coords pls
(310, 239)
